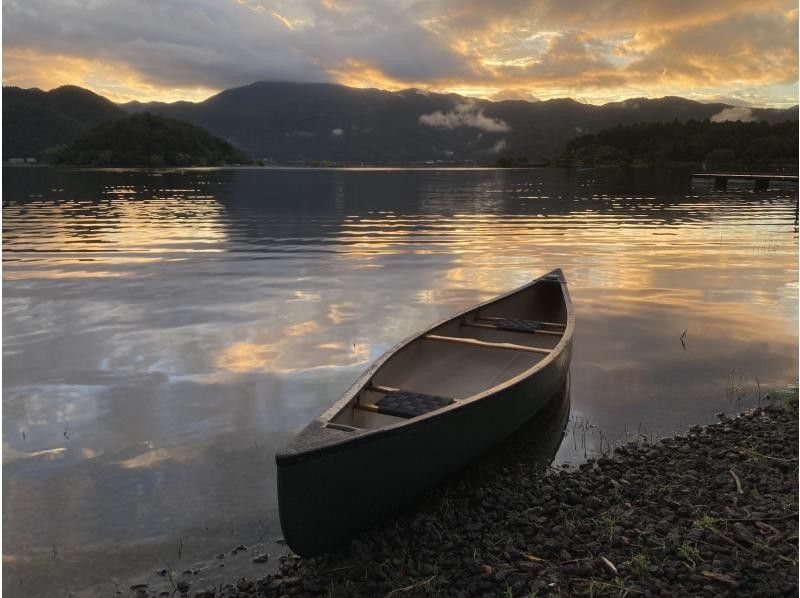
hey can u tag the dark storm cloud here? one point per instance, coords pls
(216, 43)
(180, 42)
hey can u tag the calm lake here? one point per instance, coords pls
(164, 333)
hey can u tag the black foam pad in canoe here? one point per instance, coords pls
(515, 325)
(402, 403)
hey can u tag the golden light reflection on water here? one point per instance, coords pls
(10, 454)
(505, 239)
(62, 274)
(158, 457)
(77, 240)
(601, 246)
(287, 356)
(331, 346)
(146, 321)
(121, 227)
(147, 459)
(246, 357)
(294, 348)
(299, 295)
(302, 328)
(342, 312)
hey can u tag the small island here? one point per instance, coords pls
(146, 140)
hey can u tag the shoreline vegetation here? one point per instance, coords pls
(727, 143)
(505, 164)
(154, 141)
(710, 513)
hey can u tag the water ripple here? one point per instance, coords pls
(161, 320)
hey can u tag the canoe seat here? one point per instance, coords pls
(403, 403)
(516, 325)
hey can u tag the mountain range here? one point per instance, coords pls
(287, 122)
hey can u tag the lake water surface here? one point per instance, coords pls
(164, 333)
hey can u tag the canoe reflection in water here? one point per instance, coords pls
(425, 409)
(536, 443)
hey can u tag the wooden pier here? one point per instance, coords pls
(761, 180)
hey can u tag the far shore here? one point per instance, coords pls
(741, 168)
(735, 167)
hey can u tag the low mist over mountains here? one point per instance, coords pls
(315, 121)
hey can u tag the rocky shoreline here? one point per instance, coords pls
(712, 513)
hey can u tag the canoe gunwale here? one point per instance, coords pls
(365, 435)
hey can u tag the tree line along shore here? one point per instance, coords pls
(148, 140)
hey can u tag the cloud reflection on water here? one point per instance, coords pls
(271, 290)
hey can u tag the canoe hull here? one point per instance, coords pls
(329, 495)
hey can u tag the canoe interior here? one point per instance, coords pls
(454, 369)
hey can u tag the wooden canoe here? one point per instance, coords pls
(426, 408)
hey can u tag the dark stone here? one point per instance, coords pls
(742, 534)
(663, 527)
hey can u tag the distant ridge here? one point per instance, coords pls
(34, 120)
(325, 121)
(288, 122)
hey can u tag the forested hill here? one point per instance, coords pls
(147, 140)
(34, 120)
(692, 141)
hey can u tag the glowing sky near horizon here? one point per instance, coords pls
(737, 51)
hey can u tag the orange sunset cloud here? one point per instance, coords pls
(735, 50)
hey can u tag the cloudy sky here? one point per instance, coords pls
(740, 51)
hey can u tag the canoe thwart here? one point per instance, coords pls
(476, 343)
(342, 427)
(381, 388)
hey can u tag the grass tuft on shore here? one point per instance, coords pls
(786, 398)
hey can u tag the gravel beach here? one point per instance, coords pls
(712, 513)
